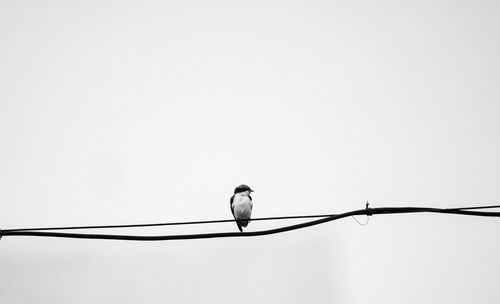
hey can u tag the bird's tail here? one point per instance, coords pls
(241, 224)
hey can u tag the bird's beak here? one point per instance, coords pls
(252, 191)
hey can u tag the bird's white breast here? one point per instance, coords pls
(242, 206)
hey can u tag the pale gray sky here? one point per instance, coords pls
(118, 112)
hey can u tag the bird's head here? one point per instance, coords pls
(243, 188)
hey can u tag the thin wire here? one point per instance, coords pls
(366, 223)
(461, 208)
(479, 207)
(366, 211)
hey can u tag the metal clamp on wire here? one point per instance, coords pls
(369, 211)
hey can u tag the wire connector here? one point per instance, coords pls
(369, 211)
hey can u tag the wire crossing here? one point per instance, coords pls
(48, 232)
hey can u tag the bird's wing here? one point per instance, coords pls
(231, 204)
(232, 211)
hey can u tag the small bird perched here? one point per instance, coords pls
(241, 206)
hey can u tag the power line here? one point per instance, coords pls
(324, 219)
(204, 222)
(167, 224)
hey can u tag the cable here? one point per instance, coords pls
(168, 224)
(327, 218)
(203, 222)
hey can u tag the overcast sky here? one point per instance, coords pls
(116, 112)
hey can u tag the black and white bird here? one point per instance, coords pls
(241, 205)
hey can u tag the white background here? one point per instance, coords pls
(117, 112)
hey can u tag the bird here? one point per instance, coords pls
(241, 205)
